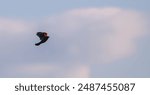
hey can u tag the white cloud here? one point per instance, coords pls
(99, 34)
(14, 25)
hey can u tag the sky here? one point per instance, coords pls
(88, 39)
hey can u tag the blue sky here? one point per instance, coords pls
(41, 8)
(88, 38)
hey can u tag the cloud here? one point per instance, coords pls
(47, 70)
(99, 34)
(78, 38)
(78, 71)
(14, 25)
(36, 70)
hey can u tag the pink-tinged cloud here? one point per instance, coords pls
(78, 71)
(11, 26)
(51, 70)
(99, 34)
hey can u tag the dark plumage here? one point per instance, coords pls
(43, 37)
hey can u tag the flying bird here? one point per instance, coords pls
(43, 37)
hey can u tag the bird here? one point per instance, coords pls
(43, 37)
